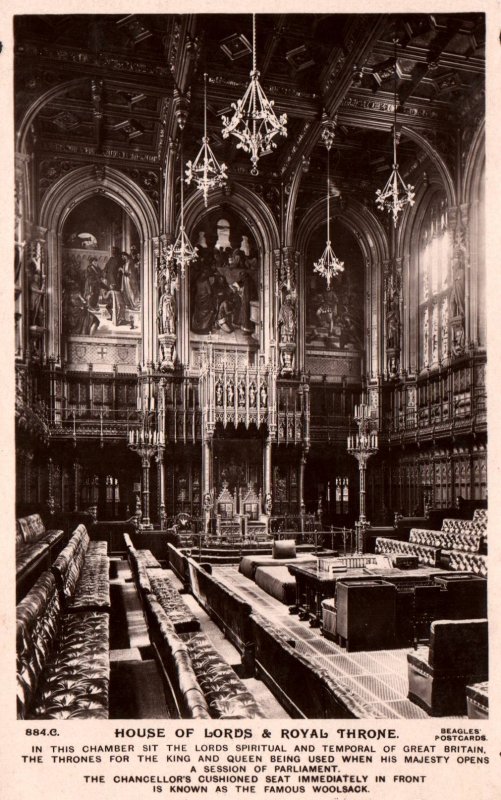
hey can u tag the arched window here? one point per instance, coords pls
(434, 284)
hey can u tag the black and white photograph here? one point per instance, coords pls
(249, 364)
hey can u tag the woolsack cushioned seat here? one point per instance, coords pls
(284, 550)
(63, 668)
(277, 582)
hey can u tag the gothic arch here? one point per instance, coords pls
(38, 104)
(258, 216)
(60, 200)
(438, 162)
(408, 249)
(252, 208)
(473, 171)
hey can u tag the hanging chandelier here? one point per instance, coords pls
(205, 171)
(396, 193)
(182, 253)
(328, 265)
(254, 122)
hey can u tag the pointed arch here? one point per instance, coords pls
(58, 203)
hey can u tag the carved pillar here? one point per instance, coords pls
(286, 270)
(267, 469)
(162, 514)
(35, 280)
(145, 488)
(76, 484)
(302, 466)
(51, 503)
(458, 221)
(393, 315)
(21, 178)
(206, 467)
(167, 282)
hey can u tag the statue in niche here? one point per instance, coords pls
(457, 343)
(287, 319)
(167, 310)
(393, 323)
(37, 292)
(458, 288)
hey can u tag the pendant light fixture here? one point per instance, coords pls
(205, 171)
(328, 265)
(182, 253)
(396, 194)
(254, 122)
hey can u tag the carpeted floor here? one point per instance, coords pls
(378, 677)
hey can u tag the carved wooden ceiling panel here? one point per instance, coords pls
(124, 108)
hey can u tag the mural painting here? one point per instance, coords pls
(224, 281)
(101, 271)
(335, 316)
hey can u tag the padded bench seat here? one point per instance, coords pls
(249, 564)
(426, 554)
(35, 550)
(226, 695)
(184, 696)
(154, 581)
(63, 668)
(82, 574)
(277, 582)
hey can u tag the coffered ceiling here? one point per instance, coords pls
(116, 88)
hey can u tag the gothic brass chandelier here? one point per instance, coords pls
(396, 193)
(182, 252)
(254, 122)
(328, 265)
(205, 171)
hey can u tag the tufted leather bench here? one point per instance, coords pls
(456, 657)
(81, 571)
(226, 695)
(63, 668)
(35, 550)
(427, 554)
(183, 694)
(154, 581)
(468, 562)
